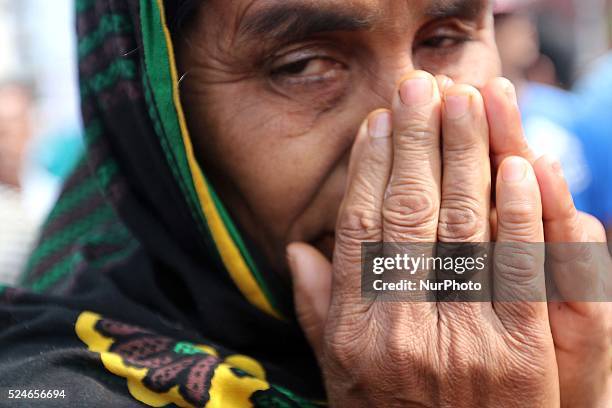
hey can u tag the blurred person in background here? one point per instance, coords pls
(17, 228)
(562, 123)
(32, 169)
(594, 127)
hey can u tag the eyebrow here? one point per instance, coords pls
(467, 9)
(292, 22)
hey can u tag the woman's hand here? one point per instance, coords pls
(406, 184)
(582, 331)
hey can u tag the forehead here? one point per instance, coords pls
(238, 14)
(245, 6)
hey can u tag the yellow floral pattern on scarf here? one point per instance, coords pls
(160, 370)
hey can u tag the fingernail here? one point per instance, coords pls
(456, 106)
(511, 93)
(514, 170)
(416, 91)
(379, 125)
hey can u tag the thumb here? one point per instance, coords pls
(311, 273)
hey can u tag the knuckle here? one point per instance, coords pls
(357, 223)
(460, 221)
(464, 149)
(519, 218)
(416, 129)
(409, 213)
(518, 265)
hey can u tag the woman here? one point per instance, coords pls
(152, 288)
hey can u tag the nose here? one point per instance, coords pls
(387, 75)
(376, 89)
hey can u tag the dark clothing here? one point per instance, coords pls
(142, 291)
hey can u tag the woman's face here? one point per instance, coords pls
(275, 91)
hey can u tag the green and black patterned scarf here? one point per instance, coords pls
(142, 291)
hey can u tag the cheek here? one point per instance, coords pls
(270, 155)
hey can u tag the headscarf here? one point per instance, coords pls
(142, 285)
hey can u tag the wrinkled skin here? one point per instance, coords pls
(283, 124)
